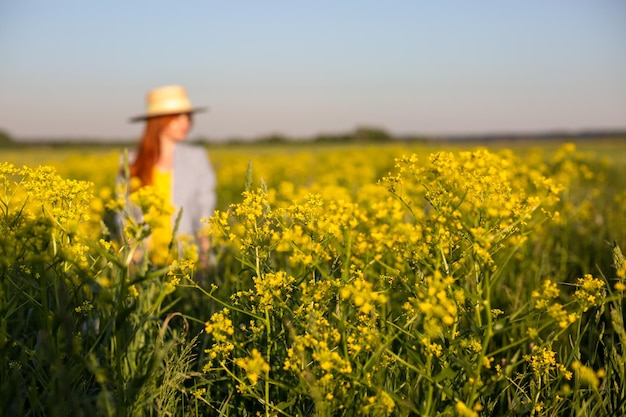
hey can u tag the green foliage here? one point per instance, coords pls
(460, 283)
(5, 139)
(430, 303)
(82, 330)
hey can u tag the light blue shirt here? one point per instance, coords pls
(193, 188)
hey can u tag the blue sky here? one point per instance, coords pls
(79, 69)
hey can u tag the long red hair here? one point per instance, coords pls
(149, 149)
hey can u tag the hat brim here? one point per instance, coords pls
(142, 117)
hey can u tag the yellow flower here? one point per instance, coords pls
(587, 374)
(543, 362)
(132, 291)
(432, 349)
(255, 366)
(220, 327)
(532, 333)
(590, 291)
(362, 294)
(464, 410)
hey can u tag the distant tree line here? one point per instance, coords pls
(375, 135)
(360, 135)
(5, 140)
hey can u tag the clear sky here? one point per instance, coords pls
(81, 68)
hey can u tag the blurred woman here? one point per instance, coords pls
(179, 171)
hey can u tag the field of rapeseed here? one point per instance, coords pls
(383, 280)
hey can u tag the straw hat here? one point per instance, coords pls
(171, 99)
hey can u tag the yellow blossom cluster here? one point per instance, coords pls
(269, 289)
(156, 209)
(415, 294)
(362, 294)
(589, 291)
(471, 203)
(543, 363)
(364, 337)
(183, 268)
(407, 261)
(254, 365)
(587, 375)
(545, 299)
(379, 404)
(316, 357)
(465, 411)
(43, 215)
(434, 304)
(220, 326)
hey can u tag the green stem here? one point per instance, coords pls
(429, 396)
(485, 291)
(267, 354)
(220, 302)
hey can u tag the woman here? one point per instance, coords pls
(179, 171)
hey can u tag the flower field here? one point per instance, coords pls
(378, 280)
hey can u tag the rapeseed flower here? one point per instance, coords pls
(220, 326)
(269, 289)
(587, 375)
(589, 292)
(435, 304)
(254, 365)
(545, 300)
(464, 410)
(543, 362)
(362, 294)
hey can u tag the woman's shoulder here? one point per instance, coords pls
(190, 155)
(190, 149)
